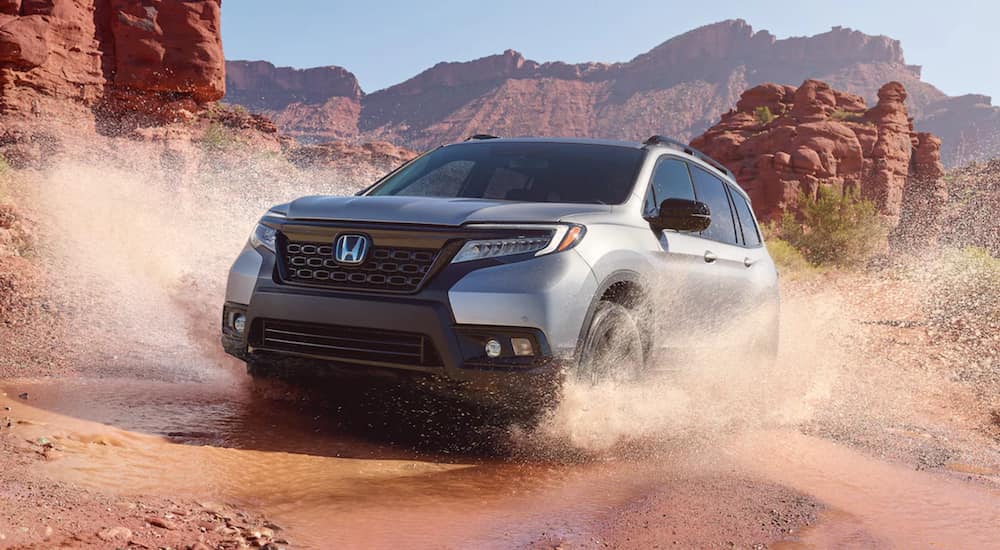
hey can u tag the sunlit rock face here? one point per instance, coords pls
(75, 58)
(781, 141)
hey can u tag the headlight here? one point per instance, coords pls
(560, 237)
(263, 236)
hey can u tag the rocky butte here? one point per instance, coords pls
(319, 104)
(679, 88)
(781, 141)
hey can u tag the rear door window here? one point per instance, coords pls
(751, 235)
(712, 191)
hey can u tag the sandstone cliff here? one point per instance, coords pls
(107, 65)
(781, 141)
(679, 88)
(318, 104)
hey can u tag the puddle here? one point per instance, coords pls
(323, 484)
(330, 486)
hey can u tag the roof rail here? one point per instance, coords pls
(664, 140)
(478, 137)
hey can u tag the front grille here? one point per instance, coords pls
(386, 269)
(348, 343)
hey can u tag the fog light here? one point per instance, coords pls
(239, 323)
(493, 348)
(522, 346)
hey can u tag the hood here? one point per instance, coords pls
(432, 210)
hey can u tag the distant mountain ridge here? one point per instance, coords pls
(680, 87)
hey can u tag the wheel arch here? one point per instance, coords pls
(625, 287)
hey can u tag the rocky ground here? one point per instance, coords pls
(38, 512)
(689, 514)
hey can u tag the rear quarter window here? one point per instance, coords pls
(751, 234)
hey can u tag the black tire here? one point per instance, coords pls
(613, 349)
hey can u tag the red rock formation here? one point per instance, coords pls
(64, 60)
(334, 119)
(332, 155)
(261, 85)
(319, 104)
(169, 47)
(679, 88)
(821, 136)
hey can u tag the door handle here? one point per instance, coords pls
(710, 256)
(747, 261)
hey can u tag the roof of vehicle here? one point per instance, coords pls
(656, 142)
(580, 140)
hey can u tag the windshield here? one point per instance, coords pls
(579, 173)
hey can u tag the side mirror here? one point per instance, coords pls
(682, 215)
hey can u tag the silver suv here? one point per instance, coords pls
(494, 267)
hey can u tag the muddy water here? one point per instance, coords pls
(332, 484)
(325, 485)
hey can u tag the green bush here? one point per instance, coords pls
(786, 257)
(834, 228)
(763, 114)
(840, 114)
(218, 137)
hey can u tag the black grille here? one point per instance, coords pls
(349, 344)
(387, 269)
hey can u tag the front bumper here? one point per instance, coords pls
(544, 299)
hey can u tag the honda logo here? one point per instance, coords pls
(351, 249)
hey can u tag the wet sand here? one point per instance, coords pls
(334, 484)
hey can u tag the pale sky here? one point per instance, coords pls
(387, 41)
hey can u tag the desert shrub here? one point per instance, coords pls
(834, 228)
(840, 114)
(787, 258)
(964, 292)
(218, 137)
(763, 114)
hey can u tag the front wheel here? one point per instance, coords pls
(613, 348)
